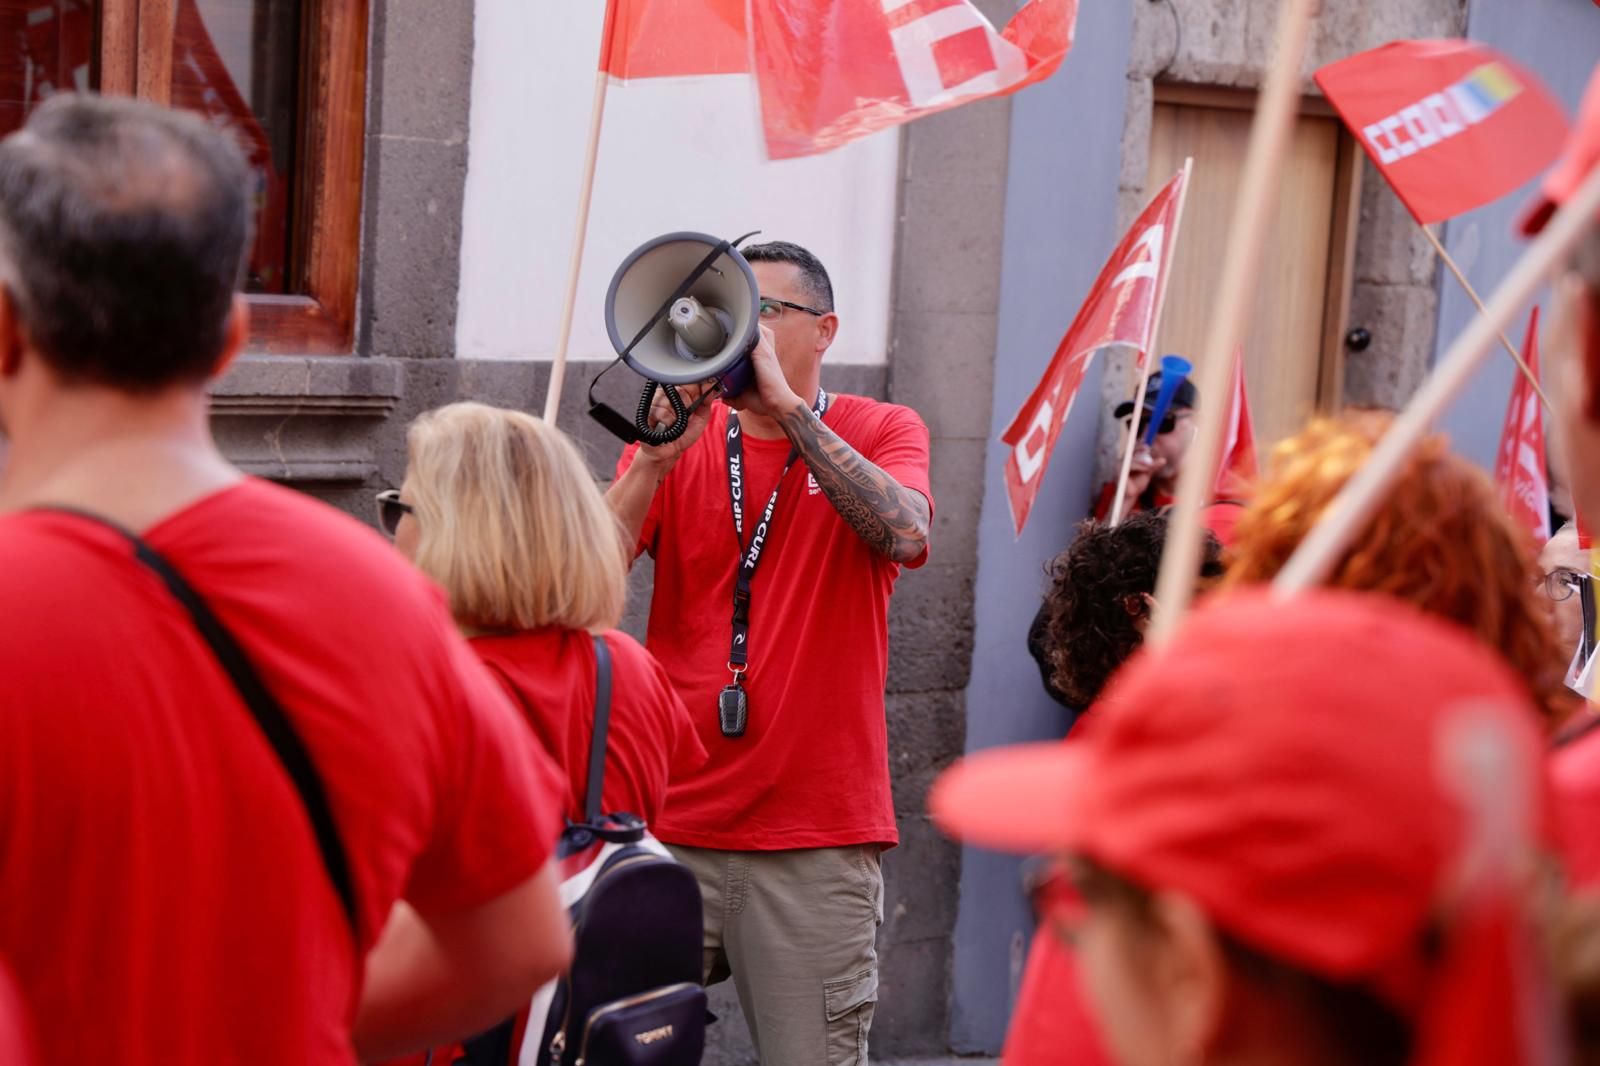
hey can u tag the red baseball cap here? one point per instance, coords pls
(1328, 778)
(1582, 155)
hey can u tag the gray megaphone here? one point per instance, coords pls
(682, 308)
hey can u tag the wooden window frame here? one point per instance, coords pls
(136, 59)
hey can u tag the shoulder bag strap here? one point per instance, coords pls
(602, 723)
(269, 716)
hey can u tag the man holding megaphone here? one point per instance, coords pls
(779, 522)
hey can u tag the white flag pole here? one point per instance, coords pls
(1356, 502)
(1269, 139)
(1150, 357)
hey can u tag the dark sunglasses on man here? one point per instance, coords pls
(1169, 421)
(390, 510)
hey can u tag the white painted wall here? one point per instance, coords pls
(675, 154)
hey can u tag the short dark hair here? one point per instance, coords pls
(123, 227)
(812, 272)
(1096, 600)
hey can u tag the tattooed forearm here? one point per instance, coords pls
(892, 519)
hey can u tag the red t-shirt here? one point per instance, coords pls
(550, 674)
(164, 899)
(812, 769)
(1575, 796)
(16, 1041)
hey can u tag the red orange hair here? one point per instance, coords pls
(1440, 541)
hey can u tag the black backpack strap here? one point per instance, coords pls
(602, 725)
(264, 708)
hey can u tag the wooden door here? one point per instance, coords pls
(1294, 340)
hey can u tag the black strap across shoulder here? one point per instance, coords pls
(602, 725)
(269, 715)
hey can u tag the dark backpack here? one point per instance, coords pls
(632, 996)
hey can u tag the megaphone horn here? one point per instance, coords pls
(682, 308)
(1174, 369)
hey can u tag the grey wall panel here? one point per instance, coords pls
(1560, 41)
(1060, 223)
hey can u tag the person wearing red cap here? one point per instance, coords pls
(1288, 860)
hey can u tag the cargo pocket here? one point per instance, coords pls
(849, 1002)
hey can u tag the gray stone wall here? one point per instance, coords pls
(1229, 43)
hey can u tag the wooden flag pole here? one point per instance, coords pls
(1149, 357)
(1477, 301)
(597, 111)
(1258, 189)
(1352, 508)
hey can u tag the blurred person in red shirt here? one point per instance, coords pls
(1306, 833)
(169, 893)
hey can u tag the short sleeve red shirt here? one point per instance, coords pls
(164, 898)
(16, 1043)
(812, 769)
(550, 674)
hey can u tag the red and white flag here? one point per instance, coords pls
(1451, 124)
(1121, 309)
(832, 71)
(1237, 468)
(1519, 468)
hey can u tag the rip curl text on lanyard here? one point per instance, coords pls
(750, 554)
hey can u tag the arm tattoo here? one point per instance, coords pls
(891, 518)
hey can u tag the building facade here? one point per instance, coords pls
(419, 167)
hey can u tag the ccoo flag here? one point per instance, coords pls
(832, 71)
(1519, 470)
(1121, 309)
(1451, 124)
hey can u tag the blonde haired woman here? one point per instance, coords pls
(498, 507)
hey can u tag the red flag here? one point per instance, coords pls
(1451, 124)
(674, 38)
(832, 71)
(1120, 309)
(1237, 469)
(1519, 464)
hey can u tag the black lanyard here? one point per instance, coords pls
(750, 554)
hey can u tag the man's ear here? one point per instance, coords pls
(1194, 976)
(234, 334)
(827, 329)
(12, 336)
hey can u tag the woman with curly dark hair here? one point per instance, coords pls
(1093, 618)
(1098, 604)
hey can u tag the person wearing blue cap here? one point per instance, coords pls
(1153, 478)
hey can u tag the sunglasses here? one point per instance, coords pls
(390, 510)
(1169, 422)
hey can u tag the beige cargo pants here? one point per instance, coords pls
(797, 932)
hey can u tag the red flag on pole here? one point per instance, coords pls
(832, 71)
(1120, 309)
(1237, 469)
(675, 38)
(1451, 124)
(1519, 469)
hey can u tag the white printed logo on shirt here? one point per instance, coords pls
(812, 488)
